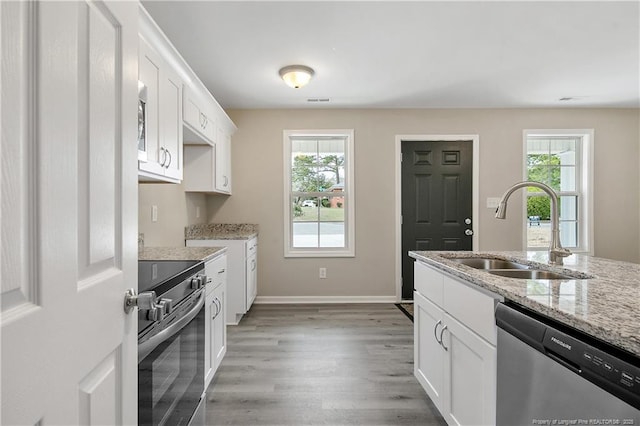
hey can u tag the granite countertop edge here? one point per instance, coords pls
(204, 254)
(221, 231)
(213, 236)
(606, 324)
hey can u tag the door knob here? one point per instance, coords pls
(468, 232)
(146, 300)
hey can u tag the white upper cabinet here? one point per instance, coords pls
(183, 122)
(163, 107)
(223, 161)
(198, 118)
(208, 166)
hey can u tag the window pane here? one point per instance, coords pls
(568, 207)
(332, 209)
(537, 146)
(331, 234)
(305, 209)
(568, 178)
(538, 234)
(305, 234)
(569, 234)
(537, 173)
(564, 150)
(331, 163)
(539, 206)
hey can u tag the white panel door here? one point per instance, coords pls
(68, 193)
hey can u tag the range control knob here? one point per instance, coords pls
(196, 282)
(165, 305)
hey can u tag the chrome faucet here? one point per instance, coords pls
(556, 251)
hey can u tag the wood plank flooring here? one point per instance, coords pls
(346, 364)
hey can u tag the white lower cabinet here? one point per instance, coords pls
(242, 274)
(215, 323)
(455, 365)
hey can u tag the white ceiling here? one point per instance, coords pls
(417, 54)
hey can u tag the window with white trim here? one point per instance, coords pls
(562, 160)
(318, 207)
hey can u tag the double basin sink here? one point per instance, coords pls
(509, 269)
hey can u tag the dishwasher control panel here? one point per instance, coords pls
(580, 356)
(613, 369)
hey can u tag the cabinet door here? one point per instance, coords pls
(209, 312)
(149, 74)
(219, 327)
(252, 279)
(171, 121)
(470, 375)
(223, 161)
(428, 353)
(190, 112)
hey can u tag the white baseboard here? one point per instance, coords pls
(323, 299)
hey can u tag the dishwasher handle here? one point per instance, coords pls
(563, 361)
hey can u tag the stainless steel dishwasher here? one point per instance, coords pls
(551, 374)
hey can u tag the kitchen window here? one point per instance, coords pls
(318, 205)
(562, 159)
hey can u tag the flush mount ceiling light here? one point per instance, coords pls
(296, 76)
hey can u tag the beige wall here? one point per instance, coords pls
(258, 181)
(176, 209)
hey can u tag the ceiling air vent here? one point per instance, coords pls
(318, 100)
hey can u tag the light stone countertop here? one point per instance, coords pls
(221, 231)
(606, 306)
(180, 253)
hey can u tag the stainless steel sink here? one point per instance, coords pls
(487, 263)
(532, 274)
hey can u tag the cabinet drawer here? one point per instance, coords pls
(470, 307)
(428, 282)
(216, 271)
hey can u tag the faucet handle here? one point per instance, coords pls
(562, 252)
(557, 254)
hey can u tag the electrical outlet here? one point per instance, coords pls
(154, 213)
(323, 273)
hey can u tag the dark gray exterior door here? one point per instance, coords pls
(436, 200)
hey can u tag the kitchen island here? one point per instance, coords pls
(457, 343)
(604, 305)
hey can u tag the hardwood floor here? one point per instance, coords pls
(320, 365)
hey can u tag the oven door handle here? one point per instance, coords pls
(146, 347)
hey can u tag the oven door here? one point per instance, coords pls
(171, 374)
